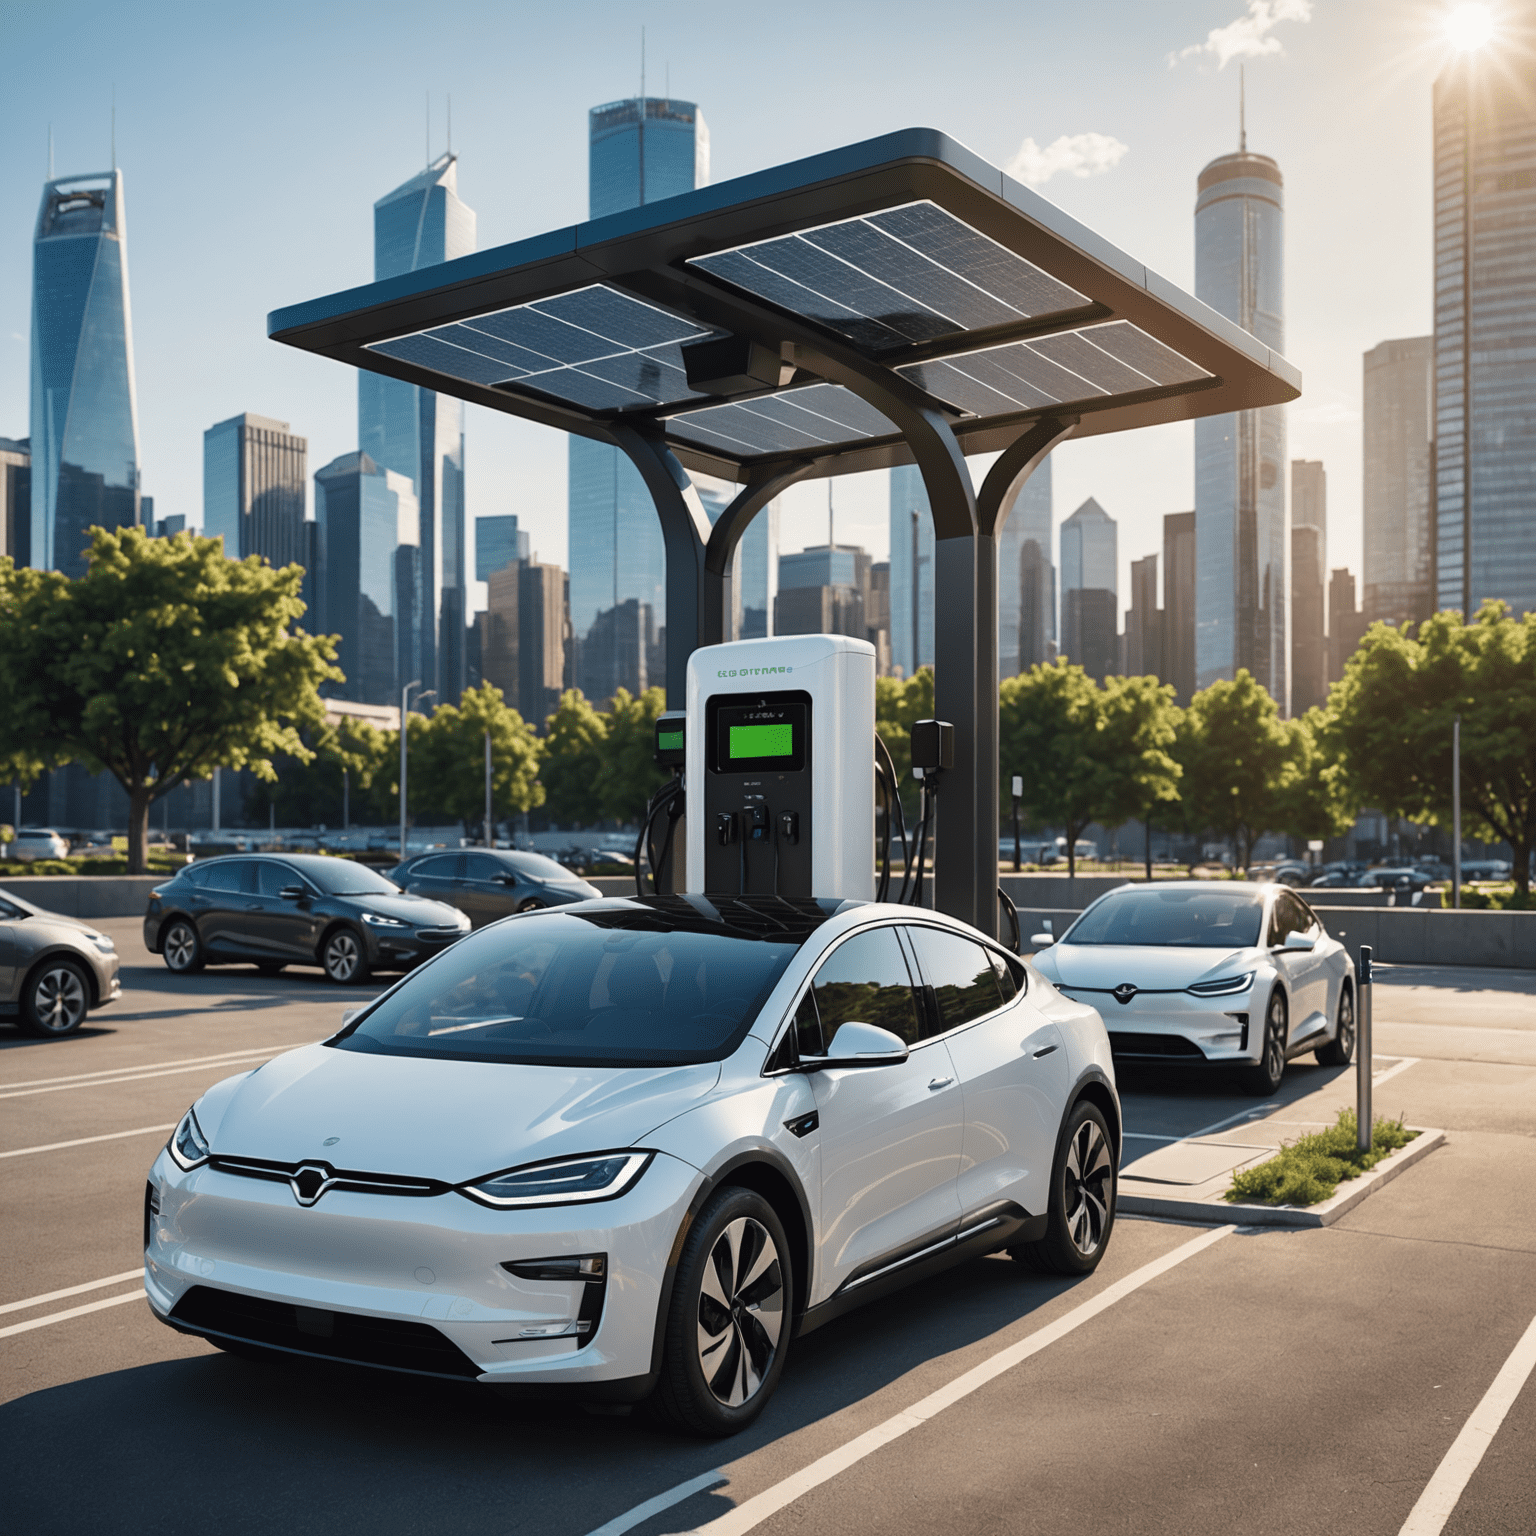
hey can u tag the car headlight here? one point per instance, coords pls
(102, 942)
(1223, 986)
(188, 1146)
(378, 920)
(567, 1182)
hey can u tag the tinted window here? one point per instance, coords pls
(481, 866)
(960, 973)
(1289, 917)
(195, 874)
(806, 1029)
(614, 988)
(1215, 919)
(341, 877)
(1010, 975)
(8, 911)
(866, 979)
(273, 879)
(534, 866)
(228, 875)
(441, 866)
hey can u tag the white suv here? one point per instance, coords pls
(37, 843)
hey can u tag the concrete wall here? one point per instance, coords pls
(92, 896)
(1408, 936)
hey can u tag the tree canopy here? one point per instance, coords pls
(447, 765)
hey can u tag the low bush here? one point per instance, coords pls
(161, 862)
(1311, 1168)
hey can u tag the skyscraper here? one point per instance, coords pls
(640, 151)
(1142, 643)
(1089, 604)
(1398, 426)
(756, 573)
(418, 433)
(1309, 567)
(1485, 388)
(85, 426)
(498, 542)
(526, 631)
(253, 489)
(911, 572)
(1346, 623)
(1179, 578)
(1240, 459)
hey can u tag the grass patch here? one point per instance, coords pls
(1311, 1168)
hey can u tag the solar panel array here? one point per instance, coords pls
(594, 347)
(893, 278)
(812, 418)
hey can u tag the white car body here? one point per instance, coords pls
(879, 1174)
(1143, 990)
(33, 843)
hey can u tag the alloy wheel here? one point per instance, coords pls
(741, 1311)
(1345, 1038)
(1089, 1175)
(59, 1000)
(1274, 1038)
(343, 956)
(180, 947)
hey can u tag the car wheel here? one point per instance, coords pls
(1264, 1078)
(56, 999)
(1340, 1051)
(344, 958)
(728, 1320)
(181, 948)
(1082, 1212)
(531, 904)
(271, 967)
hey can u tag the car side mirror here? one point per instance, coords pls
(506, 879)
(1042, 940)
(292, 893)
(1299, 941)
(861, 1045)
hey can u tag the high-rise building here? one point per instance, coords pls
(1398, 572)
(1309, 571)
(1346, 623)
(618, 651)
(367, 581)
(756, 572)
(16, 499)
(1240, 458)
(824, 590)
(526, 631)
(253, 489)
(85, 425)
(1485, 387)
(1090, 627)
(641, 151)
(911, 572)
(419, 433)
(1142, 643)
(498, 542)
(1179, 578)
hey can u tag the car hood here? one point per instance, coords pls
(449, 1120)
(420, 911)
(571, 887)
(41, 915)
(1152, 968)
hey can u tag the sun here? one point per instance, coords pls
(1469, 26)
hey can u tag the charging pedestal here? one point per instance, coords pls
(781, 775)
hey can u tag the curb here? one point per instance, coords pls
(1324, 1214)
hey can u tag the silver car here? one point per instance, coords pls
(53, 969)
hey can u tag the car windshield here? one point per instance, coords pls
(616, 987)
(1217, 919)
(536, 867)
(341, 877)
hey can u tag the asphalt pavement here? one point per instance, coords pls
(1202, 1381)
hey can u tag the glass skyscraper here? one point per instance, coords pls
(419, 433)
(641, 151)
(85, 428)
(1240, 514)
(1485, 393)
(1090, 615)
(1398, 565)
(253, 489)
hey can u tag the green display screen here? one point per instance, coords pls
(762, 740)
(669, 741)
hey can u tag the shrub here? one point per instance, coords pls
(1311, 1168)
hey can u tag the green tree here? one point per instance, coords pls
(448, 764)
(311, 794)
(1390, 722)
(573, 760)
(162, 661)
(629, 775)
(1314, 798)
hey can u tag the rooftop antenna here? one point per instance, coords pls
(668, 78)
(1242, 112)
(50, 151)
(429, 127)
(114, 127)
(450, 122)
(642, 67)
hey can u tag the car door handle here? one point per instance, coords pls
(1045, 1050)
(939, 1082)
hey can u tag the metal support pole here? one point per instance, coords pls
(490, 840)
(1363, 1051)
(1456, 812)
(1018, 793)
(346, 799)
(215, 801)
(405, 702)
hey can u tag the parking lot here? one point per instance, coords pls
(1203, 1380)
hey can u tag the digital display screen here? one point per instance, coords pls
(762, 741)
(762, 733)
(669, 741)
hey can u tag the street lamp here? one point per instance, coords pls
(1018, 792)
(405, 702)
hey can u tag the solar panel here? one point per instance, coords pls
(813, 417)
(594, 347)
(905, 275)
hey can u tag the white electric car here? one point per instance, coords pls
(1203, 972)
(628, 1149)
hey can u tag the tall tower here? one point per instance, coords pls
(640, 151)
(419, 433)
(1397, 497)
(85, 423)
(253, 489)
(1240, 513)
(1090, 616)
(1309, 573)
(1485, 393)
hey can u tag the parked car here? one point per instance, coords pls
(630, 1148)
(1486, 869)
(276, 910)
(1394, 879)
(32, 843)
(1243, 977)
(488, 883)
(53, 969)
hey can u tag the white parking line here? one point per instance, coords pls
(1378, 1078)
(1461, 1461)
(134, 1075)
(643, 1512)
(755, 1510)
(71, 1290)
(60, 1317)
(85, 1141)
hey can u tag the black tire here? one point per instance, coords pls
(1263, 1079)
(55, 999)
(531, 904)
(271, 967)
(728, 1321)
(181, 948)
(345, 957)
(1083, 1184)
(1340, 1051)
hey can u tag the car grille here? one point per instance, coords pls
(379, 1341)
(337, 1178)
(438, 935)
(1158, 1046)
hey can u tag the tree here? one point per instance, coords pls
(163, 661)
(629, 774)
(448, 763)
(312, 794)
(1087, 753)
(573, 760)
(1314, 798)
(1234, 750)
(899, 704)
(1390, 722)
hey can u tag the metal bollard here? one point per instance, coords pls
(1363, 989)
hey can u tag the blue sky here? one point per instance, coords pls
(254, 141)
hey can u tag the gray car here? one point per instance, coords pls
(53, 970)
(486, 884)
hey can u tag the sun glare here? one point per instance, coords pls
(1469, 26)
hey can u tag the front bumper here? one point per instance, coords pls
(402, 948)
(356, 1265)
(1177, 1029)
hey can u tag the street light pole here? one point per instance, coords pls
(405, 702)
(1456, 812)
(490, 841)
(1018, 792)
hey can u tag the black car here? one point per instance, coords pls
(486, 884)
(294, 909)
